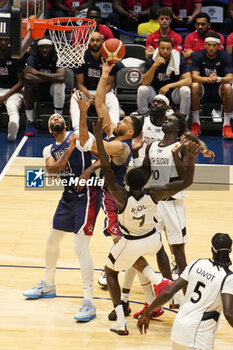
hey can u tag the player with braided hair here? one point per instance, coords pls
(209, 290)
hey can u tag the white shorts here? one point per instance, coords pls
(171, 218)
(124, 254)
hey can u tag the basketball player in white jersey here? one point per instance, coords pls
(209, 285)
(136, 218)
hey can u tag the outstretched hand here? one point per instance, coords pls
(72, 141)
(106, 67)
(209, 154)
(80, 98)
(192, 148)
(143, 324)
(178, 146)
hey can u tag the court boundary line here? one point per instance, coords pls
(12, 158)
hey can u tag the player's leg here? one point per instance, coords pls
(145, 95)
(46, 289)
(29, 97)
(182, 97)
(13, 104)
(113, 107)
(197, 91)
(57, 91)
(226, 94)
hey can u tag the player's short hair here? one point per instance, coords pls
(182, 123)
(137, 126)
(202, 15)
(221, 248)
(94, 8)
(165, 11)
(165, 39)
(213, 35)
(135, 179)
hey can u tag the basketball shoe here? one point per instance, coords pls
(113, 316)
(87, 312)
(156, 313)
(162, 286)
(41, 291)
(103, 279)
(175, 302)
(120, 328)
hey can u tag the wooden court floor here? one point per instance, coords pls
(48, 324)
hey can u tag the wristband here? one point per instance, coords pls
(219, 79)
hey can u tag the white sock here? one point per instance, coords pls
(147, 288)
(29, 115)
(120, 314)
(52, 254)
(196, 117)
(227, 118)
(151, 275)
(81, 244)
(124, 297)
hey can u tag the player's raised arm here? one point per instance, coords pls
(100, 97)
(118, 192)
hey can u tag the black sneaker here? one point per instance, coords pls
(113, 317)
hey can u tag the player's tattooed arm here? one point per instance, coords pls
(121, 158)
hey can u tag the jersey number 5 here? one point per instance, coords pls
(197, 290)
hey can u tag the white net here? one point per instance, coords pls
(70, 44)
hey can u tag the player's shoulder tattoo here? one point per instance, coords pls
(123, 154)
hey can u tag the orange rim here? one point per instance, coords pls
(39, 26)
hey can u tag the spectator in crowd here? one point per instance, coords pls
(71, 8)
(128, 14)
(11, 82)
(165, 16)
(230, 44)
(144, 29)
(184, 12)
(196, 41)
(227, 25)
(212, 77)
(166, 73)
(42, 78)
(5, 6)
(87, 78)
(94, 13)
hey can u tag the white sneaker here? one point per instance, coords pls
(12, 131)
(41, 291)
(175, 274)
(87, 312)
(120, 328)
(216, 115)
(103, 279)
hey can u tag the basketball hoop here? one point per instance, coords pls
(70, 36)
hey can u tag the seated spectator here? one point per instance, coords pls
(128, 14)
(165, 16)
(166, 73)
(87, 78)
(94, 13)
(227, 26)
(184, 12)
(5, 6)
(212, 77)
(196, 41)
(71, 8)
(144, 29)
(42, 78)
(11, 82)
(230, 44)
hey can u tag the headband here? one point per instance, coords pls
(221, 249)
(162, 97)
(53, 116)
(44, 42)
(211, 38)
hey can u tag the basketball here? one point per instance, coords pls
(113, 50)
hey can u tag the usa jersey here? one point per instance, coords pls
(138, 215)
(163, 168)
(78, 160)
(196, 322)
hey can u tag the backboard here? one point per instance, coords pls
(15, 25)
